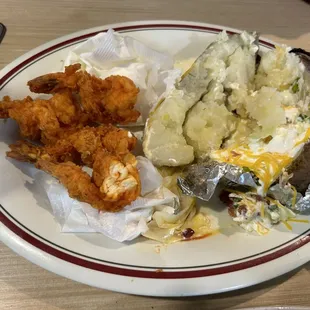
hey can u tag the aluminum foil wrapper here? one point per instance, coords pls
(201, 180)
(303, 204)
(285, 196)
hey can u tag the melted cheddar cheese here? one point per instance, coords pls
(266, 166)
(305, 138)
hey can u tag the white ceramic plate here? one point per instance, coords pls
(227, 261)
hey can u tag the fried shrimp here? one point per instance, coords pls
(75, 128)
(79, 146)
(114, 184)
(104, 100)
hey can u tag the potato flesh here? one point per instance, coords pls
(221, 103)
(278, 69)
(164, 143)
(209, 122)
(265, 107)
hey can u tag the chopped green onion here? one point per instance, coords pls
(304, 117)
(273, 208)
(295, 88)
(246, 169)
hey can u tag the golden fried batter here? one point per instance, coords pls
(116, 182)
(111, 100)
(63, 123)
(79, 99)
(44, 119)
(85, 142)
(61, 151)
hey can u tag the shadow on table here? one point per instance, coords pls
(236, 299)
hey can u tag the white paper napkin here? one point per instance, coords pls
(75, 216)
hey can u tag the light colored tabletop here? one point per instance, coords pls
(33, 22)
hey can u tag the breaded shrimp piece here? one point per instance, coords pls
(35, 117)
(116, 177)
(79, 146)
(53, 83)
(43, 119)
(109, 100)
(116, 181)
(62, 151)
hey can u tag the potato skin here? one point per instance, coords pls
(301, 170)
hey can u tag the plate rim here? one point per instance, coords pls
(132, 285)
(33, 54)
(152, 272)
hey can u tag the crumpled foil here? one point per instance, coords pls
(200, 180)
(303, 204)
(285, 196)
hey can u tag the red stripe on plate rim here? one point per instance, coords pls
(131, 272)
(120, 29)
(151, 274)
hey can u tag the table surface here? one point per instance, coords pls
(33, 22)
